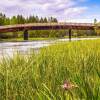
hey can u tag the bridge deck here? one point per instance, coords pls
(46, 26)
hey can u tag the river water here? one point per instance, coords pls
(10, 48)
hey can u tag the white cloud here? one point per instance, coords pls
(57, 8)
(87, 20)
(75, 10)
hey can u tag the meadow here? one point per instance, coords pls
(42, 76)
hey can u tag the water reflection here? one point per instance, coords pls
(10, 48)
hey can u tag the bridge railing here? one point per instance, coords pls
(46, 24)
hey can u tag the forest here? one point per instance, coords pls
(19, 19)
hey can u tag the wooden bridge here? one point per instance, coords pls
(46, 26)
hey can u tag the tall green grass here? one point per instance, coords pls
(40, 76)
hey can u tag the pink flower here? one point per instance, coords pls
(67, 85)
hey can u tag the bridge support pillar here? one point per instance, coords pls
(70, 34)
(25, 34)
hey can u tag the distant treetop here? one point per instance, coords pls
(19, 19)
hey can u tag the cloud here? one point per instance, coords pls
(57, 8)
(75, 10)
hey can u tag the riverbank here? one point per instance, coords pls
(21, 39)
(42, 39)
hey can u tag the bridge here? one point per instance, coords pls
(46, 26)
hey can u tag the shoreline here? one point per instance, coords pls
(42, 39)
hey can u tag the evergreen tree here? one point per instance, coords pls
(20, 19)
(7, 21)
(41, 20)
(55, 20)
(95, 21)
(13, 20)
(45, 20)
(32, 19)
(37, 19)
(2, 19)
(52, 20)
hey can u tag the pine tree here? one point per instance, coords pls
(95, 21)
(7, 21)
(41, 20)
(45, 20)
(20, 19)
(55, 20)
(2, 18)
(13, 20)
(37, 19)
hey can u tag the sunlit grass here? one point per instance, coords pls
(41, 76)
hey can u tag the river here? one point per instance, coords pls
(10, 48)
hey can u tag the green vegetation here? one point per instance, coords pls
(19, 19)
(35, 34)
(43, 38)
(21, 39)
(47, 34)
(40, 76)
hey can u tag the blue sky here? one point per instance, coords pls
(64, 10)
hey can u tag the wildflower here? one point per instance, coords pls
(68, 85)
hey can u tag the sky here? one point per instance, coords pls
(64, 10)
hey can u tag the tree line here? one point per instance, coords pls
(19, 19)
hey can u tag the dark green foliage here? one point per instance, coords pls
(19, 19)
(2, 19)
(51, 19)
(13, 20)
